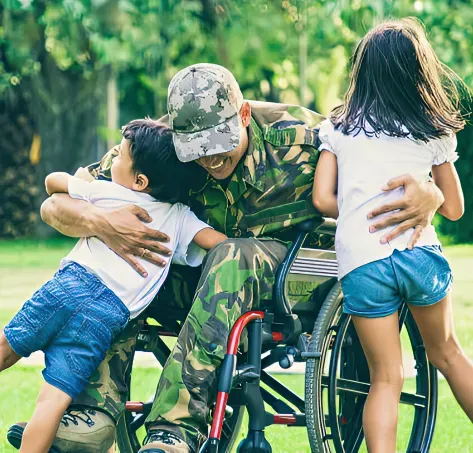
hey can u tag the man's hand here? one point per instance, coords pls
(124, 232)
(416, 208)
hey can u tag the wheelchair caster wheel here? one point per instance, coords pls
(255, 442)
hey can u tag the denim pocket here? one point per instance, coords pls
(39, 311)
(91, 343)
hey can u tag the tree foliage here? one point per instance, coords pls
(58, 55)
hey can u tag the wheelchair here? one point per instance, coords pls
(285, 331)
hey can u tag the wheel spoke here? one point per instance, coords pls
(362, 388)
(354, 435)
(282, 390)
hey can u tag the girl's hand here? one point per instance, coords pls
(414, 210)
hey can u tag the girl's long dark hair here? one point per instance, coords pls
(399, 87)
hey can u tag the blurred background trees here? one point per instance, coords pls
(72, 72)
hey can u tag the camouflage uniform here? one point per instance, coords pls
(268, 193)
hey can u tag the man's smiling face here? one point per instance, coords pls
(221, 166)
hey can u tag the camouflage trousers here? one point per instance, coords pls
(236, 275)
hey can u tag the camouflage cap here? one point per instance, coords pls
(203, 105)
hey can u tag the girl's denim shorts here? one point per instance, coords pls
(73, 318)
(421, 276)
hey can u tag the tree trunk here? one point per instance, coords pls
(18, 188)
(66, 107)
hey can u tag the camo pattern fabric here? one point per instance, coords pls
(237, 275)
(203, 105)
(268, 193)
(270, 190)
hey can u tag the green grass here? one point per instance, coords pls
(25, 265)
(20, 386)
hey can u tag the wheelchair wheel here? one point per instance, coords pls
(128, 438)
(337, 384)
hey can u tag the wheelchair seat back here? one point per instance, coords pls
(312, 275)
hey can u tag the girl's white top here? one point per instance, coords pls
(365, 164)
(175, 220)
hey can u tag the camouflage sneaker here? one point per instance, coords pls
(159, 441)
(80, 431)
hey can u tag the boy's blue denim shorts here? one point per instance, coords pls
(421, 276)
(73, 319)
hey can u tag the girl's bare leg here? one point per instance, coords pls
(382, 347)
(8, 357)
(42, 428)
(435, 323)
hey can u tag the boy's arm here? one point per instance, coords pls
(447, 180)
(57, 182)
(324, 193)
(209, 238)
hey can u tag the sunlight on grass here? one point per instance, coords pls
(25, 265)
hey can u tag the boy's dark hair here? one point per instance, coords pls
(152, 152)
(399, 87)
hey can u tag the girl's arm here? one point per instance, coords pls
(324, 193)
(447, 180)
(209, 238)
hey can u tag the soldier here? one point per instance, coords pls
(259, 160)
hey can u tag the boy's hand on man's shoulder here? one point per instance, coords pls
(84, 174)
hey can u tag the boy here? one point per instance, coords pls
(74, 317)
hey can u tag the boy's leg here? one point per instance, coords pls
(237, 274)
(443, 349)
(88, 425)
(8, 356)
(90, 419)
(381, 344)
(41, 430)
(107, 390)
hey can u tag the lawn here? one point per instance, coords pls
(24, 266)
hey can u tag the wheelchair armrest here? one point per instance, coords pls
(318, 225)
(281, 304)
(310, 225)
(329, 226)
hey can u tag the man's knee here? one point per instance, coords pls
(231, 249)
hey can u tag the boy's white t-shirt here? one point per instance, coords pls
(175, 220)
(365, 163)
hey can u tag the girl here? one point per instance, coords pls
(400, 115)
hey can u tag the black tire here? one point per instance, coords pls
(127, 438)
(333, 407)
(314, 370)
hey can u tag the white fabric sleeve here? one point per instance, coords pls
(444, 150)
(80, 189)
(326, 136)
(187, 252)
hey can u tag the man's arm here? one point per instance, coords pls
(120, 229)
(416, 208)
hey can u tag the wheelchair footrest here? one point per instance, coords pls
(244, 373)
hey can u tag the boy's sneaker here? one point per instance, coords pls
(159, 441)
(84, 431)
